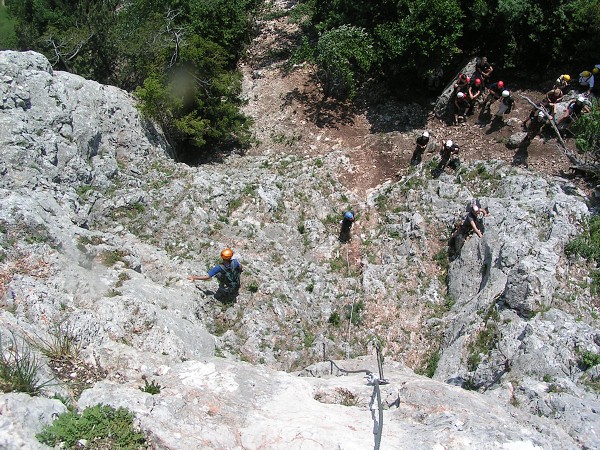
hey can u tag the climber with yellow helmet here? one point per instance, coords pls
(595, 89)
(586, 81)
(228, 274)
(563, 83)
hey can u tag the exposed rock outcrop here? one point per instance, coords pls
(100, 229)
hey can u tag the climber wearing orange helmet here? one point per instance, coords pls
(228, 274)
(474, 93)
(494, 93)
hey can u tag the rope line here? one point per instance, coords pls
(374, 381)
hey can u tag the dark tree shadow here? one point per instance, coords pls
(521, 155)
(495, 125)
(484, 118)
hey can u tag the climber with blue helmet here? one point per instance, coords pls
(346, 224)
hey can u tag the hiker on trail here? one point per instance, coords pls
(549, 102)
(494, 93)
(346, 224)
(472, 223)
(474, 93)
(462, 83)
(586, 82)
(538, 120)
(449, 157)
(461, 103)
(422, 144)
(228, 274)
(595, 89)
(532, 114)
(483, 70)
(505, 106)
(575, 109)
(563, 83)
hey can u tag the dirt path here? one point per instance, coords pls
(291, 117)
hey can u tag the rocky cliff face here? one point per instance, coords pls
(100, 229)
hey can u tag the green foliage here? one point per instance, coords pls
(109, 258)
(531, 34)
(590, 359)
(150, 388)
(423, 37)
(413, 38)
(253, 287)
(587, 131)
(180, 55)
(19, 369)
(587, 245)
(343, 53)
(335, 319)
(8, 38)
(101, 425)
(432, 363)
(486, 339)
(354, 312)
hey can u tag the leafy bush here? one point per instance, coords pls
(587, 131)
(101, 426)
(180, 56)
(342, 54)
(587, 245)
(423, 38)
(334, 319)
(432, 363)
(590, 359)
(19, 369)
(253, 287)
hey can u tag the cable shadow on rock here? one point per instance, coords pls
(221, 295)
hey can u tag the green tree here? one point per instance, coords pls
(197, 101)
(533, 34)
(343, 54)
(424, 37)
(8, 38)
(180, 55)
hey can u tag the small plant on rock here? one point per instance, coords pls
(346, 397)
(253, 287)
(101, 426)
(19, 369)
(590, 359)
(62, 344)
(150, 388)
(335, 319)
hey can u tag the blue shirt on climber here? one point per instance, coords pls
(218, 269)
